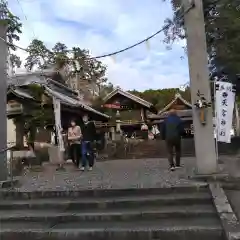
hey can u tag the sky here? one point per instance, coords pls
(106, 26)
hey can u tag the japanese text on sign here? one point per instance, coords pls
(224, 110)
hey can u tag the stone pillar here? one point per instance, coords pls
(3, 102)
(19, 132)
(106, 139)
(237, 123)
(199, 82)
(118, 126)
(112, 130)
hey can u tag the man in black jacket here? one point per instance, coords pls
(172, 131)
(88, 138)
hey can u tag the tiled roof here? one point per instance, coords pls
(20, 93)
(65, 94)
(72, 101)
(180, 113)
(177, 96)
(130, 96)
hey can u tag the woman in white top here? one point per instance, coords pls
(74, 139)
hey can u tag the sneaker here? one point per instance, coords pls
(82, 168)
(172, 168)
(90, 169)
(178, 166)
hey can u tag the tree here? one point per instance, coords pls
(222, 26)
(41, 115)
(38, 55)
(15, 61)
(77, 61)
(74, 63)
(13, 31)
(161, 97)
(99, 101)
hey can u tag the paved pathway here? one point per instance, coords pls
(135, 173)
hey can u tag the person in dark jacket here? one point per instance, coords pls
(172, 130)
(88, 139)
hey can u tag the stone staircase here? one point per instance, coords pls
(157, 148)
(185, 213)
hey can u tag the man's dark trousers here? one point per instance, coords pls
(171, 145)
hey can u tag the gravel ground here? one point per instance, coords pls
(135, 173)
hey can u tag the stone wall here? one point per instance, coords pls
(157, 148)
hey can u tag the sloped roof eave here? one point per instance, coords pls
(177, 96)
(128, 95)
(19, 93)
(73, 102)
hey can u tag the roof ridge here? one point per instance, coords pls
(177, 96)
(129, 95)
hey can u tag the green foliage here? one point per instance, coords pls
(12, 22)
(40, 115)
(77, 61)
(161, 97)
(14, 29)
(222, 26)
(222, 33)
(38, 55)
(15, 61)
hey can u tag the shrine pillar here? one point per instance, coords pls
(143, 114)
(19, 122)
(118, 126)
(112, 130)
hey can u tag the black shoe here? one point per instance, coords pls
(172, 168)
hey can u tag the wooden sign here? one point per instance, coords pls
(112, 106)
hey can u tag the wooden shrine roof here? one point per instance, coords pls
(181, 113)
(130, 96)
(177, 97)
(20, 93)
(187, 113)
(66, 95)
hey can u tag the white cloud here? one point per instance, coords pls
(105, 26)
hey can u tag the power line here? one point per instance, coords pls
(146, 39)
(26, 18)
(124, 49)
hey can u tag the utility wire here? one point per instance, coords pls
(26, 18)
(124, 49)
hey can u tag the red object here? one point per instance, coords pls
(112, 106)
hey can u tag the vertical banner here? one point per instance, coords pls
(225, 98)
(58, 125)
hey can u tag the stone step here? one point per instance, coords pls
(129, 202)
(17, 194)
(126, 215)
(187, 229)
